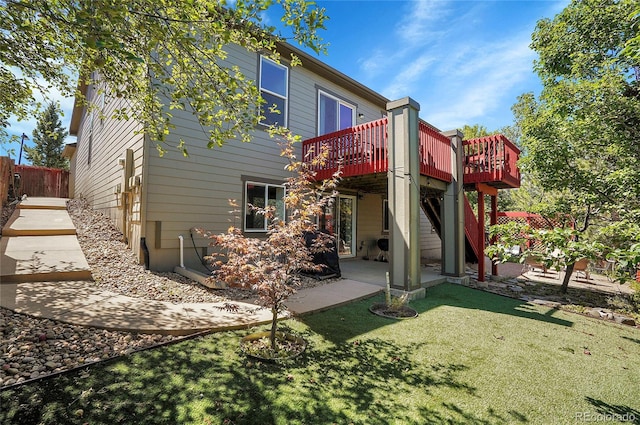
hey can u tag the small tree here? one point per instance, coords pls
(272, 266)
(48, 139)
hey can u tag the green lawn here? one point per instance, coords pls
(470, 357)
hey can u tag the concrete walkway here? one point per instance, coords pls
(44, 274)
(39, 243)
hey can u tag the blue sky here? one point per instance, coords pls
(465, 62)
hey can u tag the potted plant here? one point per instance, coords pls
(271, 265)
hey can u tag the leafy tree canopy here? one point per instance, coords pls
(159, 55)
(632, 46)
(581, 136)
(474, 131)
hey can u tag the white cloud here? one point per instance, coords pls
(417, 27)
(421, 21)
(402, 84)
(482, 83)
(375, 61)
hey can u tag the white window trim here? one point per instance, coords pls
(245, 208)
(284, 113)
(340, 102)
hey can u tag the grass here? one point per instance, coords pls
(469, 357)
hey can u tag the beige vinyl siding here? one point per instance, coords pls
(72, 175)
(181, 193)
(369, 224)
(370, 229)
(303, 119)
(194, 192)
(430, 244)
(97, 181)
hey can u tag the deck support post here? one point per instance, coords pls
(480, 242)
(403, 177)
(452, 213)
(493, 221)
(484, 189)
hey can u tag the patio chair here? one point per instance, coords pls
(531, 263)
(582, 267)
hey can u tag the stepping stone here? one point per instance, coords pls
(40, 258)
(44, 202)
(39, 222)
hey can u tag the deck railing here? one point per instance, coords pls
(363, 149)
(435, 153)
(358, 150)
(491, 160)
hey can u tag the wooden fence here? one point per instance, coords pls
(6, 178)
(43, 181)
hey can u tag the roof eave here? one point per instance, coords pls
(322, 69)
(78, 107)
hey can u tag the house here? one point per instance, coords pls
(403, 179)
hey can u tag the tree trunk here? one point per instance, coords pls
(274, 324)
(567, 278)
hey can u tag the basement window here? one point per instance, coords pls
(261, 195)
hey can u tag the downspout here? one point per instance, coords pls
(144, 200)
(145, 252)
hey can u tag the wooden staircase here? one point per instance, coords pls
(431, 207)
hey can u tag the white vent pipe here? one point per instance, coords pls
(181, 251)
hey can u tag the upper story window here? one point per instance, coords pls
(261, 195)
(334, 114)
(274, 82)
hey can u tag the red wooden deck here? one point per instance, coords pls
(491, 160)
(363, 150)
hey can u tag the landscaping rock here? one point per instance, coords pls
(22, 359)
(31, 347)
(606, 315)
(594, 312)
(624, 320)
(547, 303)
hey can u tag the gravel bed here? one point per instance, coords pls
(6, 214)
(115, 268)
(32, 348)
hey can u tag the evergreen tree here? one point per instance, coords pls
(48, 138)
